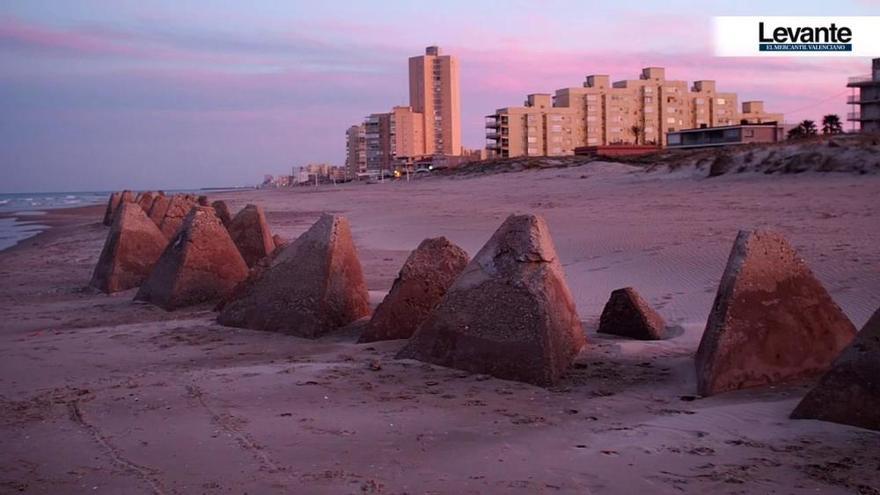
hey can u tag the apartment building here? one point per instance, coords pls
(868, 99)
(430, 126)
(536, 129)
(356, 150)
(601, 113)
(434, 93)
(393, 139)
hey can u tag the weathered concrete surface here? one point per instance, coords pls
(222, 211)
(113, 203)
(145, 200)
(772, 320)
(849, 393)
(628, 315)
(158, 209)
(132, 248)
(250, 232)
(418, 289)
(178, 208)
(313, 286)
(510, 314)
(201, 263)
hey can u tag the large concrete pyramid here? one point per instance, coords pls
(417, 290)
(251, 234)
(146, 199)
(850, 392)
(158, 209)
(113, 203)
(772, 320)
(312, 286)
(628, 315)
(201, 263)
(177, 210)
(222, 212)
(132, 248)
(509, 314)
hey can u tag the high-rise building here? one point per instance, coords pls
(434, 92)
(356, 150)
(868, 99)
(430, 126)
(637, 111)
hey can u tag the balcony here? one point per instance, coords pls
(493, 135)
(492, 124)
(857, 100)
(854, 116)
(862, 80)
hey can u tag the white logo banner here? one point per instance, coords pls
(782, 36)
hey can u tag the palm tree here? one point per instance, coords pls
(636, 130)
(809, 128)
(796, 132)
(831, 124)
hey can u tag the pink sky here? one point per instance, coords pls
(190, 97)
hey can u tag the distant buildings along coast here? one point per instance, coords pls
(427, 132)
(601, 113)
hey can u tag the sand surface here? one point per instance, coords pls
(102, 395)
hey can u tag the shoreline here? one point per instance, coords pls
(48, 219)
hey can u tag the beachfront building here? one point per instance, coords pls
(753, 113)
(601, 113)
(434, 93)
(868, 99)
(393, 139)
(429, 128)
(356, 150)
(536, 129)
(708, 137)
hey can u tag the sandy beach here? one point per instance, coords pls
(103, 395)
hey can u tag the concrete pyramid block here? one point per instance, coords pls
(158, 208)
(771, 321)
(251, 234)
(178, 209)
(628, 315)
(849, 393)
(278, 241)
(113, 203)
(146, 199)
(312, 286)
(510, 314)
(418, 289)
(222, 212)
(132, 248)
(201, 263)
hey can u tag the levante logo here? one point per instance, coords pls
(830, 38)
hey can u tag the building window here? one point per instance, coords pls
(721, 101)
(670, 120)
(533, 139)
(556, 128)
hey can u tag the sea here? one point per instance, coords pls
(21, 212)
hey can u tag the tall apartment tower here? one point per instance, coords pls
(434, 93)
(356, 150)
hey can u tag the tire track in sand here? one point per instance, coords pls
(144, 473)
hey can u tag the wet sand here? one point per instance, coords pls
(103, 395)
